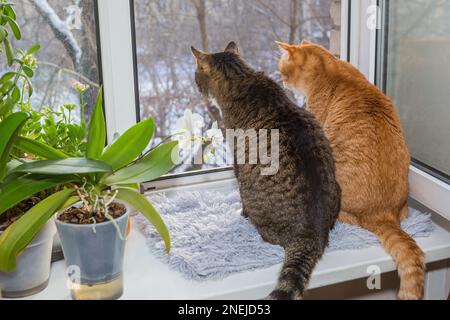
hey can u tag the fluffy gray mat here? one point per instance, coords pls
(210, 238)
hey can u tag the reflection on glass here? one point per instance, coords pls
(165, 30)
(418, 76)
(66, 31)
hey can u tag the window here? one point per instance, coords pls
(165, 30)
(415, 73)
(66, 31)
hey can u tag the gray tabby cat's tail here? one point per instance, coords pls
(300, 259)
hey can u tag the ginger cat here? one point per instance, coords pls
(372, 159)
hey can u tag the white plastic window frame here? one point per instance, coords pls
(119, 84)
(358, 45)
(424, 187)
(117, 65)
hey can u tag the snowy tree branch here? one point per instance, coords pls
(60, 29)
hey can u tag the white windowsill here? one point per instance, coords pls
(148, 278)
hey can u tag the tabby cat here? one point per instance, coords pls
(297, 206)
(372, 159)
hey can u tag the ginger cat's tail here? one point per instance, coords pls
(408, 256)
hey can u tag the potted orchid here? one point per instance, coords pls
(33, 265)
(92, 205)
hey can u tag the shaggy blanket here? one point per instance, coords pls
(211, 239)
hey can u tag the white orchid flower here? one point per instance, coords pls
(189, 130)
(190, 122)
(189, 133)
(215, 135)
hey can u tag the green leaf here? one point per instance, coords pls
(35, 48)
(18, 51)
(133, 186)
(6, 86)
(141, 204)
(11, 165)
(70, 202)
(21, 188)
(7, 76)
(17, 236)
(6, 106)
(3, 33)
(28, 71)
(14, 27)
(64, 166)
(10, 177)
(129, 145)
(15, 94)
(9, 11)
(158, 162)
(9, 130)
(8, 52)
(30, 88)
(39, 149)
(97, 131)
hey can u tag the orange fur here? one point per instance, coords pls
(372, 159)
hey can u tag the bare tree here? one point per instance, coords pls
(165, 29)
(83, 52)
(293, 21)
(200, 7)
(60, 29)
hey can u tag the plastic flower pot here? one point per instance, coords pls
(33, 267)
(94, 257)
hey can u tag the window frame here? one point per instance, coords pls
(381, 80)
(198, 176)
(358, 45)
(429, 186)
(116, 45)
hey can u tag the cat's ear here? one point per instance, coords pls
(201, 58)
(233, 48)
(306, 42)
(289, 48)
(198, 54)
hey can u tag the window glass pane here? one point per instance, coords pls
(165, 30)
(418, 76)
(66, 31)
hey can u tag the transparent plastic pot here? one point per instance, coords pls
(94, 257)
(33, 266)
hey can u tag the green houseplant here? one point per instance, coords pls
(92, 184)
(33, 268)
(58, 127)
(33, 265)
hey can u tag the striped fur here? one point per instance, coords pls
(297, 205)
(300, 259)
